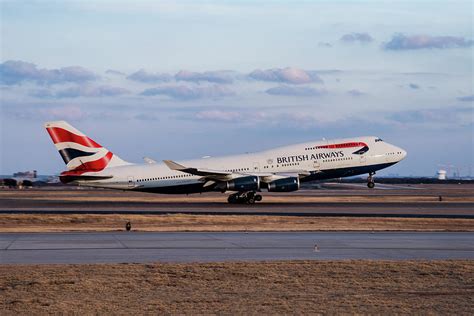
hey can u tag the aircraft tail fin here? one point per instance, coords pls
(79, 152)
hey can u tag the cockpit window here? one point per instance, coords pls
(378, 140)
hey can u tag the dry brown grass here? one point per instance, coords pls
(301, 287)
(180, 222)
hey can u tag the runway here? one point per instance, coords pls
(428, 201)
(138, 247)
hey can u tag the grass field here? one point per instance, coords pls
(309, 287)
(180, 222)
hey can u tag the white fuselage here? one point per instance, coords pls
(320, 163)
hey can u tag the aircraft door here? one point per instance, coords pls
(256, 167)
(316, 165)
(131, 183)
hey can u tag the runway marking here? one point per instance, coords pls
(11, 243)
(226, 241)
(120, 242)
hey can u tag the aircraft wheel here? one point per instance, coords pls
(251, 201)
(258, 197)
(232, 199)
(371, 184)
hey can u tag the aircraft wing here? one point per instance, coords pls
(207, 173)
(221, 175)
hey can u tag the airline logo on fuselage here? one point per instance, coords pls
(306, 157)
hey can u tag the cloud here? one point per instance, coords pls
(189, 93)
(217, 115)
(357, 37)
(71, 113)
(101, 91)
(413, 86)
(324, 44)
(403, 42)
(221, 76)
(286, 75)
(467, 98)
(250, 119)
(41, 93)
(17, 71)
(295, 91)
(437, 115)
(356, 93)
(146, 117)
(114, 72)
(147, 77)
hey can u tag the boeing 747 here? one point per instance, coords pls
(280, 169)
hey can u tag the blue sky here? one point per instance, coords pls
(175, 80)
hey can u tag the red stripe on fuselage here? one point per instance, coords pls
(90, 166)
(60, 135)
(343, 145)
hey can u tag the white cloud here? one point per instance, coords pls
(221, 76)
(143, 76)
(357, 37)
(404, 42)
(285, 75)
(17, 71)
(296, 91)
(217, 115)
(72, 113)
(189, 93)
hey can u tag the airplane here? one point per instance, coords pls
(280, 169)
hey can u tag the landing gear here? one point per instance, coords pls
(244, 198)
(370, 181)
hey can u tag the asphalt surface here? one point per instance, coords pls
(330, 199)
(129, 247)
(405, 210)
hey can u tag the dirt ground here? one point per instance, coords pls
(298, 287)
(180, 222)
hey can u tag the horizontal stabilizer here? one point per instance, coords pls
(148, 160)
(68, 177)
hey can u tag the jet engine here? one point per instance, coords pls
(284, 185)
(250, 183)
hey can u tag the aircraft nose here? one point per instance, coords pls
(403, 153)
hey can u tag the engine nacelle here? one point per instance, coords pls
(284, 185)
(250, 183)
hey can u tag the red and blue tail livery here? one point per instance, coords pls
(80, 153)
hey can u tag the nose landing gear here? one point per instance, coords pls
(244, 198)
(370, 180)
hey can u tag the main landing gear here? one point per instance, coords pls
(370, 181)
(244, 198)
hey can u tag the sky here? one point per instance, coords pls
(186, 79)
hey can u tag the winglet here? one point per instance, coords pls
(173, 165)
